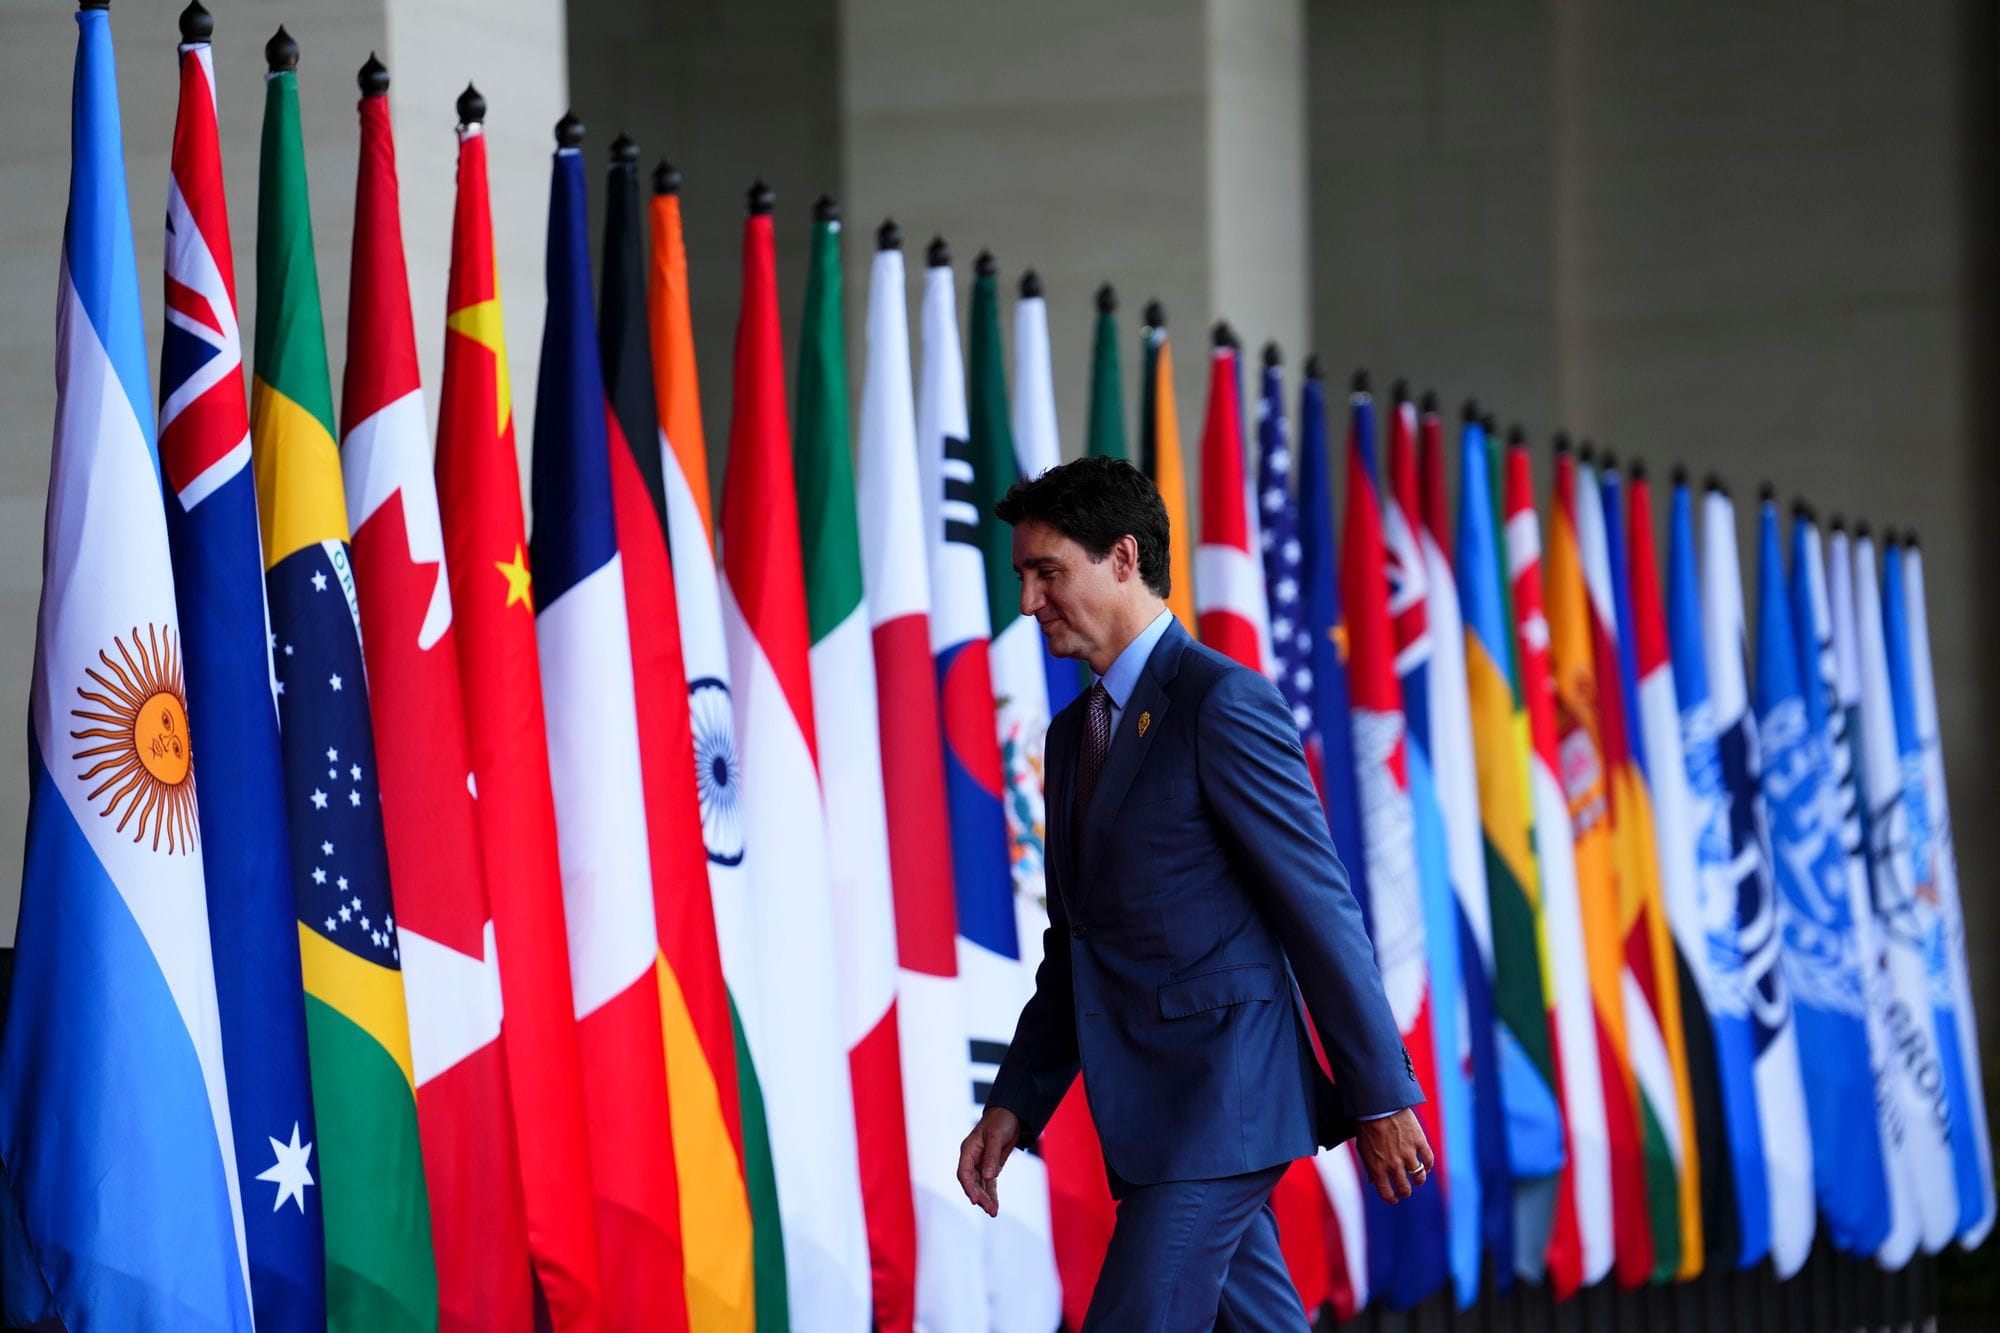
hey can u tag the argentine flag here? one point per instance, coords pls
(114, 1117)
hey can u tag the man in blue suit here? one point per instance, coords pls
(1192, 885)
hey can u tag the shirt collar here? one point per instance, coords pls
(1124, 671)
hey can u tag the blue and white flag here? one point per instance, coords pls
(1972, 1175)
(1906, 923)
(1725, 868)
(1975, 1210)
(1821, 964)
(114, 1113)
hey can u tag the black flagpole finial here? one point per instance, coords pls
(373, 77)
(761, 198)
(281, 53)
(888, 236)
(1156, 315)
(1031, 286)
(1107, 299)
(471, 106)
(569, 131)
(984, 265)
(1360, 382)
(1312, 367)
(666, 178)
(623, 150)
(938, 254)
(825, 210)
(1272, 358)
(197, 24)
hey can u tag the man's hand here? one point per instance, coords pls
(1394, 1152)
(985, 1151)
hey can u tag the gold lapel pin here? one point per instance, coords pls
(1145, 720)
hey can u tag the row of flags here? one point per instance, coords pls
(581, 929)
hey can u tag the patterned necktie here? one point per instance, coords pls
(1096, 745)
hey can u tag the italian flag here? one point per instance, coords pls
(844, 702)
(795, 1036)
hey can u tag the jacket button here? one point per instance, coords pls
(1078, 932)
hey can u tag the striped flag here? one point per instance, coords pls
(1781, 1109)
(1582, 1241)
(218, 577)
(589, 696)
(936, 1065)
(1524, 1051)
(115, 1118)
(1229, 599)
(1106, 435)
(1972, 1176)
(1822, 966)
(1160, 456)
(796, 1034)
(380, 1270)
(1326, 732)
(1679, 822)
(499, 666)
(1580, 689)
(1725, 860)
(1905, 923)
(1407, 1249)
(1976, 1199)
(451, 968)
(1409, 571)
(850, 761)
(695, 1022)
(1652, 976)
(718, 761)
(1841, 655)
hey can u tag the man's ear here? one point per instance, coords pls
(1125, 557)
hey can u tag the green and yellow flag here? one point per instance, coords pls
(367, 1163)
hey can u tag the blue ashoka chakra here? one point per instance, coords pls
(718, 773)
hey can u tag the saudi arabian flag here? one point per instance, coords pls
(367, 1163)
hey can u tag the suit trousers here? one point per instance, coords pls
(1190, 1255)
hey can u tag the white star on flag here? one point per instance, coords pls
(318, 799)
(319, 875)
(319, 581)
(334, 681)
(289, 1173)
(355, 769)
(326, 848)
(354, 799)
(332, 755)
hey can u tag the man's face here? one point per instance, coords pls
(1072, 596)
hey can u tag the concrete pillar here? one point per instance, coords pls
(514, 48)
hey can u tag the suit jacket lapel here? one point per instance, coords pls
(1128, 751)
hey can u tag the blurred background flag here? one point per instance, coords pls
(1781, 1107)
(1407, 1241)
(1976, 1198)
(1820, 960)
(451, 967)
(936, 1064)
(1409, 603)
(380, 1271)
(1928, 889)
(1160, 456)
(700, 1048)
(850, 763)
(1106, 435)
(1905, 922)
(1037, 448)
(219, 576)
(801, 1055)
(1652, 977)
(1842, 657)
(499, 667)
(1229, 585)
(113, 1105)
(711, 713)
(1581, 1240)
(1523, 1039)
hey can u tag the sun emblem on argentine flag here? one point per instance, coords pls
(135, 729)
(718, 773)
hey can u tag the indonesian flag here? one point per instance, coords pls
(695, 1022)
(930, 1023)
(451, 971)
(1580, 1248)
(588, 692)
(1230, 601)
(485, 538)
(1407, 1249)
(795, 1033)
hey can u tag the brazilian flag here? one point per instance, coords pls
(367, 1164)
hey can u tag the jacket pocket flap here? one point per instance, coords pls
(1215, 990)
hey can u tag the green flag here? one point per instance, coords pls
(367, 1162)
(1107, 391)
(993, 465)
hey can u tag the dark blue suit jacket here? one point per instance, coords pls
(1204, 884)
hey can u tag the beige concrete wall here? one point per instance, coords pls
(514, 48)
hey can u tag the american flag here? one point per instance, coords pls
(1291, 637)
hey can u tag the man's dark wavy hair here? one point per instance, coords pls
(1094, 502)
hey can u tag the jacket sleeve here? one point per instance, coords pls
(1254, 777)
(1042, 1059)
